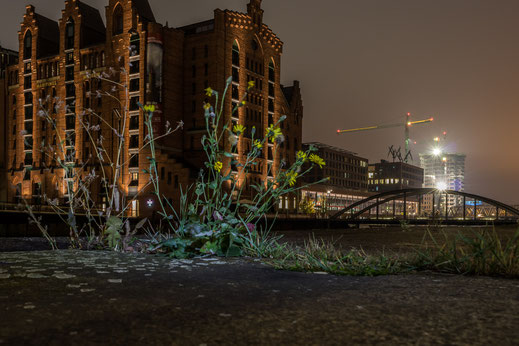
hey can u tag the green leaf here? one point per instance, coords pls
(234, 251)
(210, 248)
(228, 154)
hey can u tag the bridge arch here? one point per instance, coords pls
(389, 196)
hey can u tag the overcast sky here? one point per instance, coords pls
(368, 62)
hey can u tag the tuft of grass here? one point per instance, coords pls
(480, 253)
(321, 256)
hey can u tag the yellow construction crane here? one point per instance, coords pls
(407, 124)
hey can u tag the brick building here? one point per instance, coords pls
(7, 57)
(167, 67)
(389, 176)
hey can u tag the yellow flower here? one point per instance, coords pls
(317, 160)
(149, 108)
(209, 92)
(258, 144)
(301, 155)
(273, 133)
(292, 178)
(243, 103)
(207, 106)
(250, 85)
(239, 129)
(218, 166)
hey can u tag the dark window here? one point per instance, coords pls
(193, 53)
(135, 67)
(235, 75)
(118, 22)
(70, 106)
(193, 71)
(28, 98)
(135, 44)
(69, 73)
(162, 173)
(235, 54)
(27, 82)
(27, 68)
(176, 181)
(28, 127)
(134, 103)
(70, 90)
(28, 113)
(271, 89)
(235, 94)
(169, 178)
(134, 123)
(206, 69)
(206, 51)
(134, 161)
(134, 142)
(193, 88)
(28, 159)
(27, 143)
(134, 84)
(27, 45)
(69, 34)
(271, 105)
(272, 72)
(69, 59)
(70, 121)
(193, 106)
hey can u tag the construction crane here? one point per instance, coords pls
(407, 125)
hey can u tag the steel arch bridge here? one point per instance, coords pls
(427, 203)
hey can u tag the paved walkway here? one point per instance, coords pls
(81, 298)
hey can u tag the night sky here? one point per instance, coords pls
(370, 62)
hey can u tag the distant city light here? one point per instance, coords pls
(437, 152)
(442, 186)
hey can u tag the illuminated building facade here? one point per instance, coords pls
(166, 67)
(390, 176)
(445, 172)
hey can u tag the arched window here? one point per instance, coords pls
(272, 71)
(27, 45)
(69, 34)
(117, 22)
(235, 54)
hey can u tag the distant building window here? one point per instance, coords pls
(27, 45)
(235, 54)
(272, 71)
(118, 23)
(69, 34)
(135, 44)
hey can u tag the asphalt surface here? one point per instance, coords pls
(83, 298)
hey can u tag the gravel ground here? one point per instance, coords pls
(83, 298)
